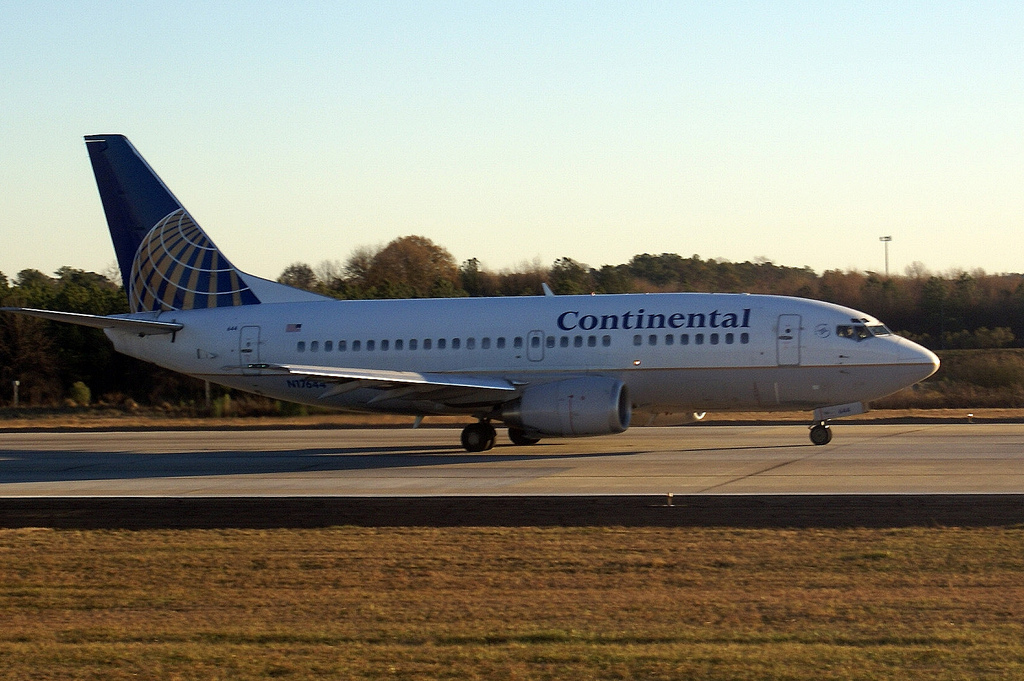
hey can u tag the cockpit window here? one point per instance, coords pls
(880, 330)
(857, 332)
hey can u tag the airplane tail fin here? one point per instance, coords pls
(167, 261)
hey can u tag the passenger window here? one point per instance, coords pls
(714, 339)
(342, 346)
(485, 343)
(564, 341)
(729, 338)
(371, 345)
(577, 342)
(591, 341)
(441, 343)
(652, 339)
(412, 343)
(698, 338)
(471, 343)
(427, 343)
(550, 341)
(744, 338)
(535, 341)
(501, 343)
(456, 343)
(684, 339)
(398, 344)
(606, 341)
(314, 346)
(356, 346)
(328, 346)
(669, 339)
(301, 346)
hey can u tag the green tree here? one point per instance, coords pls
(660, 270)
(613, 279)
(476, 281)
(300, 275)
(27, 355)
(570, 277)
(35, 289)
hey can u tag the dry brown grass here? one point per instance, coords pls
(513, 603)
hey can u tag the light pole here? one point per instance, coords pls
(885, 240)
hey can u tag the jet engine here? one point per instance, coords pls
(588, 405)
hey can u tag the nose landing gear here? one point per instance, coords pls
(821, 434)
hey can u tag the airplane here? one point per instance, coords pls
(545, 366)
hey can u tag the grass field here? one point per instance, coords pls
(512, 603)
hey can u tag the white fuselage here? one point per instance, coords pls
(676, 352)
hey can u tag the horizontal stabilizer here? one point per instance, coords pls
(144, 327)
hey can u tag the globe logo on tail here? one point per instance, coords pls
(177, 267)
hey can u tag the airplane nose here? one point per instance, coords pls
(914, 355)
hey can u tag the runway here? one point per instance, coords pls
(693, 460)
(731, 476)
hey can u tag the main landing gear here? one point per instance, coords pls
(821, 434)
(478, 437)
(519, 437)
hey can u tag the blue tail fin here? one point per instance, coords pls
(167, 262)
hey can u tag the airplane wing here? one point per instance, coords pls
(408, 385)
(145, 327)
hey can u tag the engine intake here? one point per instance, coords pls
(588, 405)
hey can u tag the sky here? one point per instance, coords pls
(522, 132)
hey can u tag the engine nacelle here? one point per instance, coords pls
(588, 405)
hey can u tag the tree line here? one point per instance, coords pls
(954, 310)
(949, 310)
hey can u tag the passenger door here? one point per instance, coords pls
(788, 340)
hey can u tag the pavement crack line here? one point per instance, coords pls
(767, 469)
(753, 474)
(782, 464)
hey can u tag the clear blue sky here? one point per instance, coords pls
(509, 132)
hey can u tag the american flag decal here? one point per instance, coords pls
(293, 328)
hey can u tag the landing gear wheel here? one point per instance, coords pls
(478, 437)
(821, 434)
(518, 437)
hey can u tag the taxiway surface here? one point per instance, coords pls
(693, 460)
